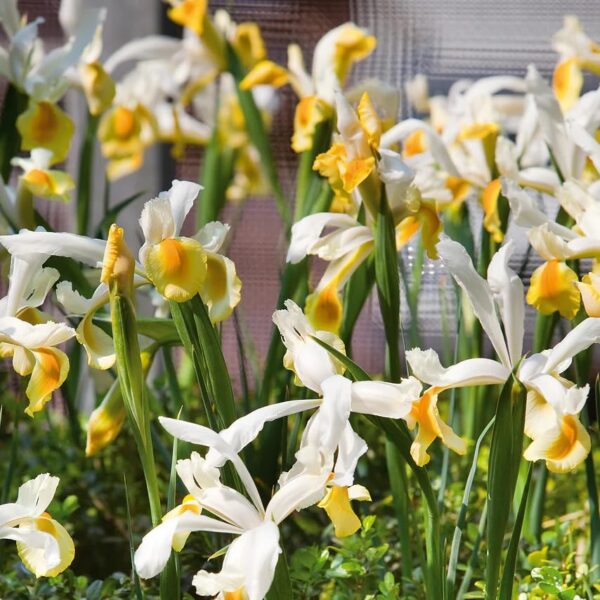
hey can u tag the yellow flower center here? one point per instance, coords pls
(552, 288)
(238, 594)
(44, 523)
(124, 122)
(414, 143)
(324, 309)
(564, 443)
(44, 124)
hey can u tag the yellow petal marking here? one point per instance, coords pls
(48, 374)
(428, 220)
(45, 125)
(367, 115)
(221, 288)
(491, 218)
(351, 46)
(190, 14)
(266, 72)
(567, 82)
(118, 264)
(355, 171)
(414, 143)
(310, 111)
(177, 268)
(424, 413)
(48, 184)
(104, 425)
(249, 43)
(98, 87)
(553, 288)
(33, 558)
(238, 594)
(338, 508)
(324, 309)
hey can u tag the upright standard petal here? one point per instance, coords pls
(458, 262)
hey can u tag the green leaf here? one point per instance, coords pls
(217, 173)
(131, 379)
(15, 102)
(510, 563)
(387, 279)
(356, 292)
(203, 345)
(505, 456)
(86, 174)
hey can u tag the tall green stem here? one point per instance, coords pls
(86, 170)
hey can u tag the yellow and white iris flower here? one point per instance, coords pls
(334, 55)
(43, 544)
(554, 285)
(30, 337)
(250, 560)
(42, 76)
(181, 267)
(42, 181)
(561, 440)
(578, 53)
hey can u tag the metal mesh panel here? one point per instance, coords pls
(458, 39)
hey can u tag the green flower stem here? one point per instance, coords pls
(461, 521)
(474, 559)
(217, 173)
(508, 577)
(388, 288)
(86, 169)
(202, 343)
(24, 207)
(15, 102)
(131, 378)
(387, 280)
(400, 497)
(504, 460)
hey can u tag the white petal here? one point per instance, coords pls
(212, 236)
(578, 339)
(154, 551)
(34, 336)
(350, 448)
(245, 429)
(251, 559)
(182, 196)
(458, 262)
(392, 400)
(147, 48)
(426, 366)
(198, 434)
(36, 494)
(307, 231)
(230, 506)
(525, 211)
(508, 293)
(157, 222)
(77, 247)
